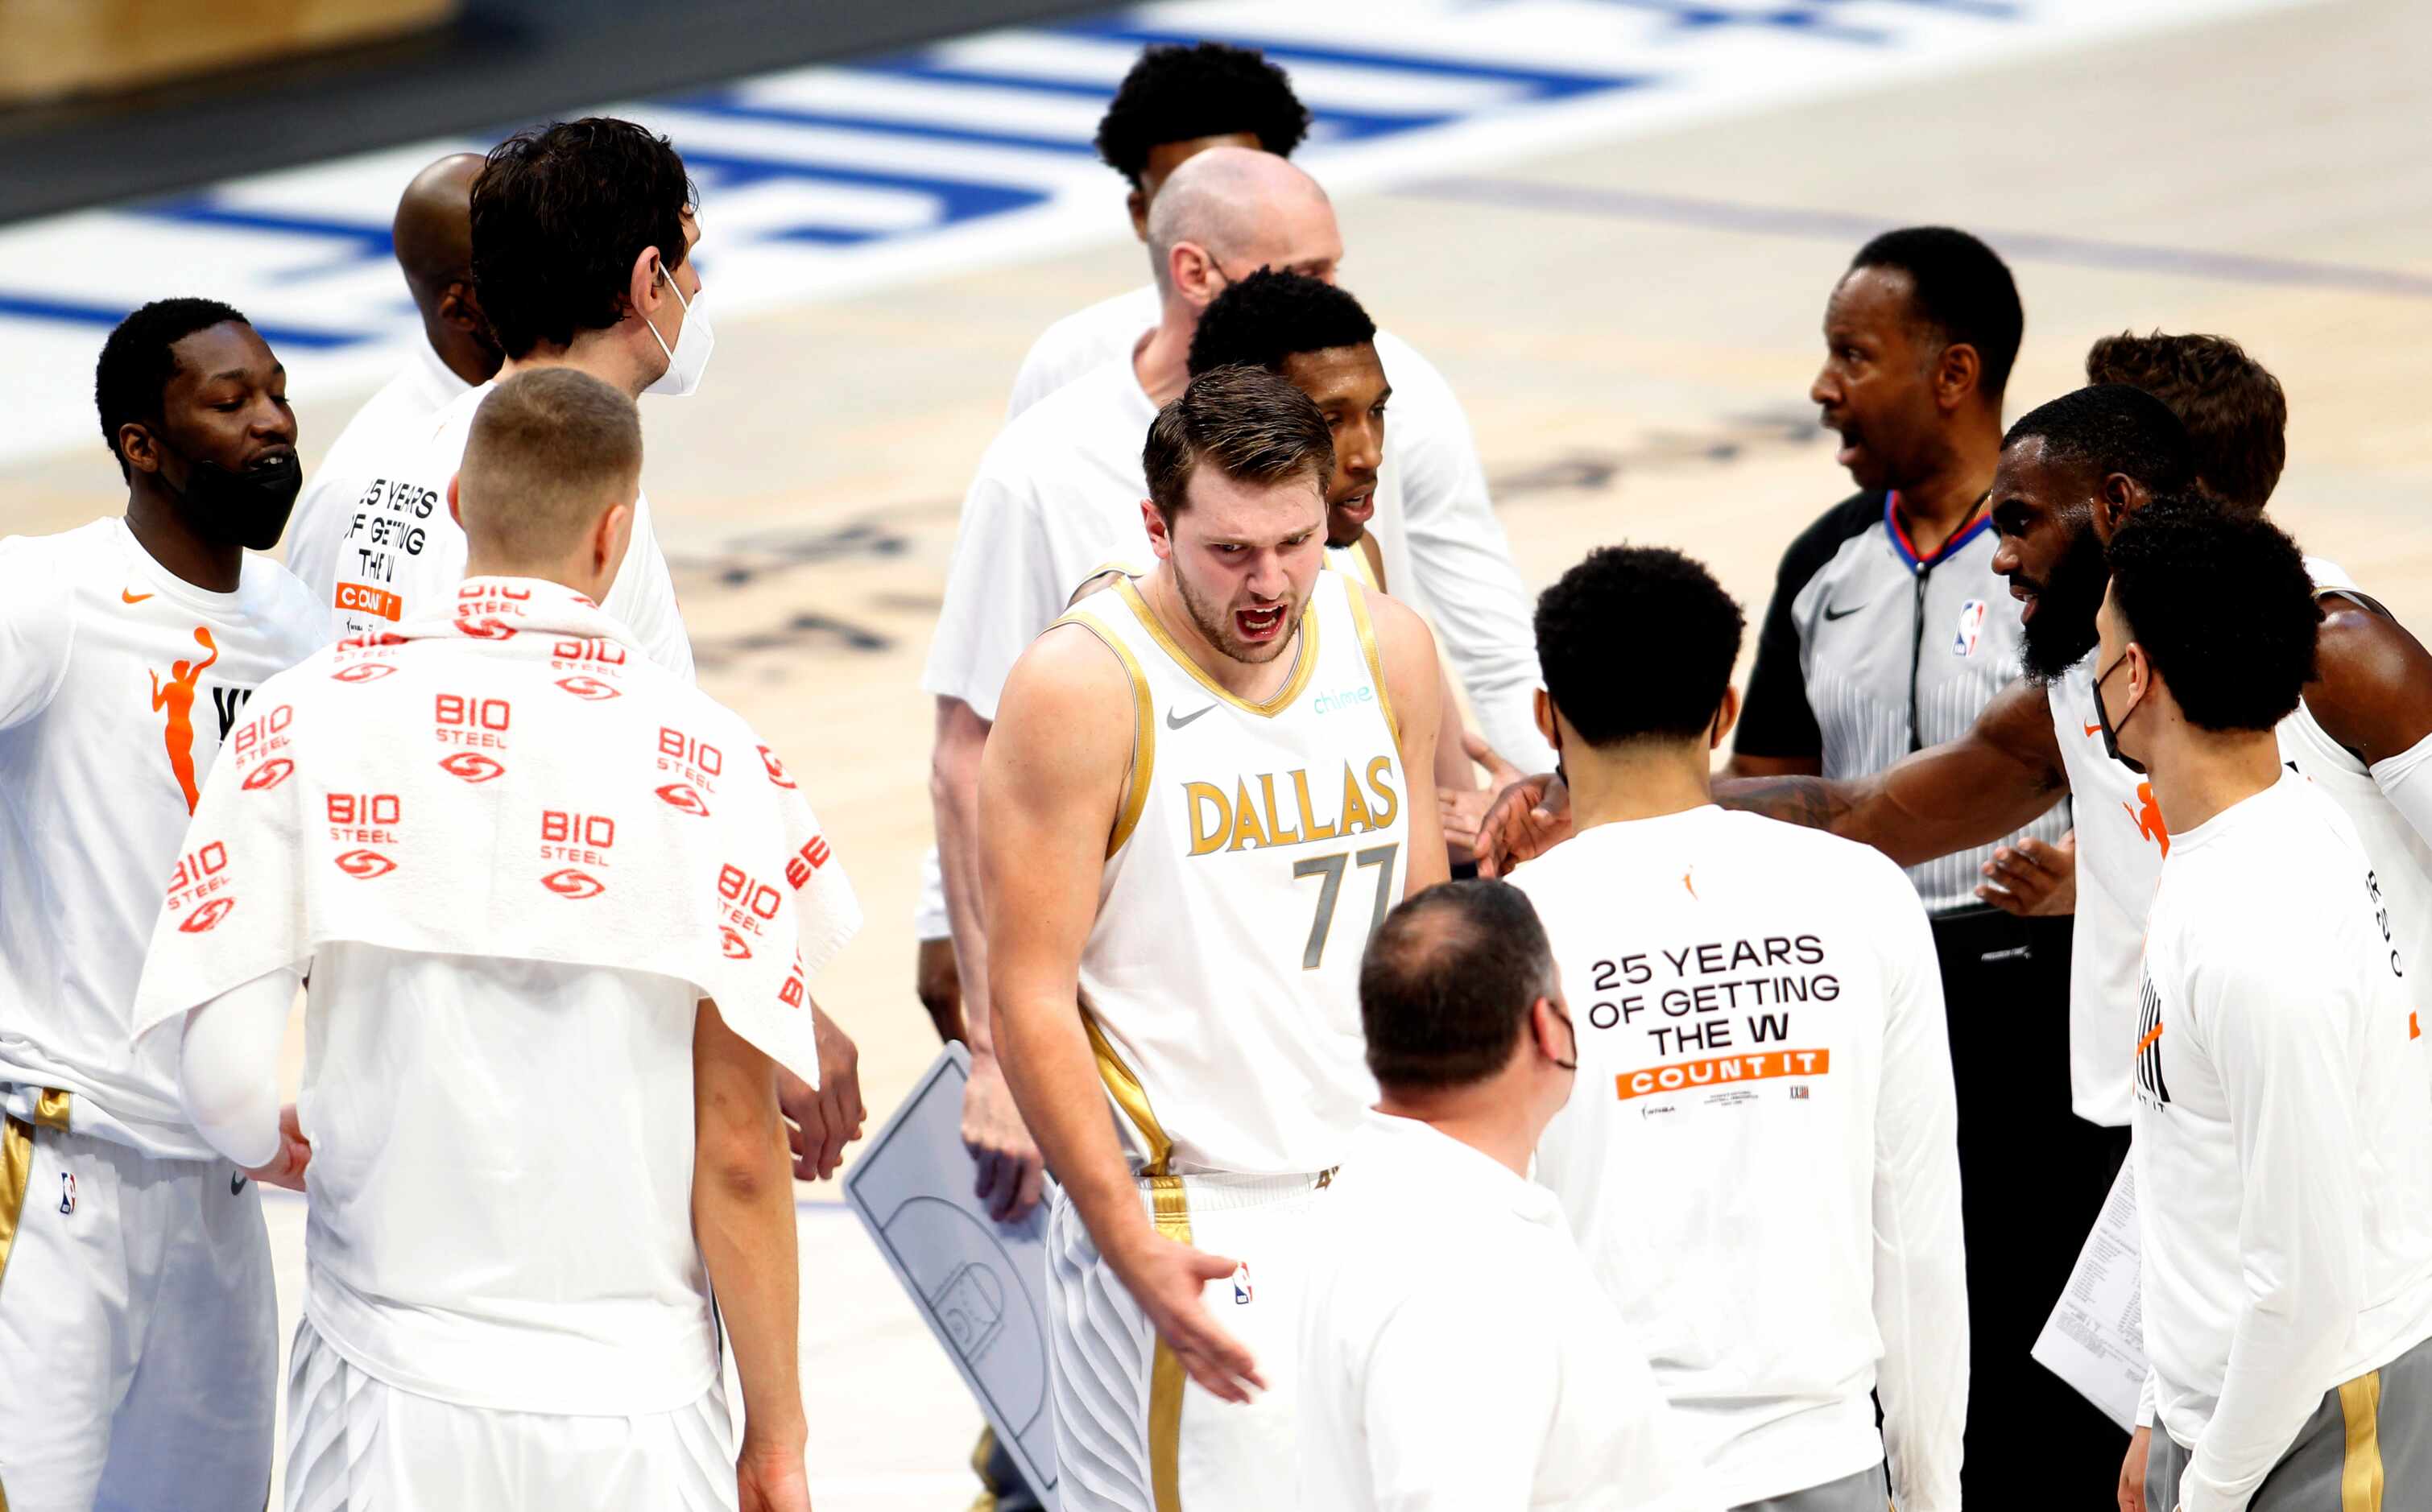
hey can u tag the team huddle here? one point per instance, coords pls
(1422, 1134)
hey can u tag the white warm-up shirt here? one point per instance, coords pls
(1456, 1355)
(2122, 843)
(1761, 1155)
(1460, 576)
(391, 552)
(399, 415)
(501, 1180)
(119, 682)
(2283, 1139)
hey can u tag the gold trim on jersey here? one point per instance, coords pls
(1171, 1207)
(16, 1172)
(1133, 1099)
(1303, 655)
(2360, 1478)
(1359, 602)
(51, 1108)
(1368, 570)
(1143, 735)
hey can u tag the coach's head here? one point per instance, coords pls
(552, 472)
(1463, 1009)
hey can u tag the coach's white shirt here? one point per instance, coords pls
(1459, 565)
(391, 551)
(501, 1180)
(1761, 1155)
(399, 415)
(119, 683)
(1456, 1353)
(2284, 1141)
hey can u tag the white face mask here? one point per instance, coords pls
(692, 352)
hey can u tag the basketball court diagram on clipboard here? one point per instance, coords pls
(980, 1285)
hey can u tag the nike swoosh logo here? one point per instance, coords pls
(236, 1184)
(1174, 721)
(2092, 731)
(1843, 614)
(132, 599)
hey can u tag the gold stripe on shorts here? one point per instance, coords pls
(1171, 1207)
(16, 1171)
(2361, 1474)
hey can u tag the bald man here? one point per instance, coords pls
(432, 235)
(1058, 499)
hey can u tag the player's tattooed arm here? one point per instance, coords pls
(1970, 792)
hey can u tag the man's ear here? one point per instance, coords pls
(642, 293)
(609, 539)
(2117, 497)
(458, 308)
(455, 506)
(1137, 203)
(1959, 374)
(1726, 717)
(1160, 536)
(1546, 725)
(138, 447)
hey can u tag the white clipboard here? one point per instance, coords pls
(980, 1285)
(2095, 1338)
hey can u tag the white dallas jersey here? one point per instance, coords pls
(118, 682)
(2284, 1143)
(399, 415)
(2121, 843)
(1761, 1155)
(391, 551)
(1258, 848)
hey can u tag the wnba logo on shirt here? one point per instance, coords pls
(2148, 1044)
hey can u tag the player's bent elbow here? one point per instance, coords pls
(741, 1162)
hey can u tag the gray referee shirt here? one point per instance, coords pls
(1869, 652)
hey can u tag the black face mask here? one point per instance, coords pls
(247, 508)
(2103, 717)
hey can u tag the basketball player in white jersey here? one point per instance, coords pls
(540, 1101)
(1205, 787)
(1762, 1157)
(581, 241)
(2284, 1142)
(433, 237)
(137, 1330)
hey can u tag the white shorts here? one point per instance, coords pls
(139, 1327)
(1133, 1432)
(354, 1442)
(929, 922)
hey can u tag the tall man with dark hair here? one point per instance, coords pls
(1759, 1160)
(1889, 632)
(1457, 1351)
(2284, 1143)
(433, 237)
(1204, 789)
(137, 1320)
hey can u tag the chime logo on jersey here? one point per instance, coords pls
(2149, 1043)
(1971, 625)
(1243, 818)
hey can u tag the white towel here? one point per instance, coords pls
(514, 779)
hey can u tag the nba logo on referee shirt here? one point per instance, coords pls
(1242, 1289)
(1971, 624)
(67, 1191)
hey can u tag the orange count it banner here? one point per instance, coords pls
(1758, 1066)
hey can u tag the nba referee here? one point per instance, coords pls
(1889, 632)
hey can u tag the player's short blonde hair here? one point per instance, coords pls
(551, 451)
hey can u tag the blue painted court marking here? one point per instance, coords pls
(2032, 246)
(84, 313)
(1540, 84)
(1338, 123)
(734, 106)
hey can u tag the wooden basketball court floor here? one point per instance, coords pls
(1632, 326)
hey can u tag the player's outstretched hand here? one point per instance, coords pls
(1461, 812)
(1008, 1170)
(2132, 1472)
(1529, 818)
(2032, 878)
(286, 1169)
(1166, 1277)
(771, 1479)
(820, 1123)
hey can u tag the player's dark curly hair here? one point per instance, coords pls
(1637, 642)
(1447, 983)
(1962, 289)
(138, 360)
(1270, 316)
(2222, 603)
(1176, 93)
(560, 213)
(2235, 412)
(2113, 428)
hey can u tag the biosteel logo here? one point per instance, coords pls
(207, 916)
(472, 766)
(269, 775)
(365, 864)
(569, 883)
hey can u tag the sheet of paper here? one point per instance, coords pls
(2095, 1338)
(980, 1285)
